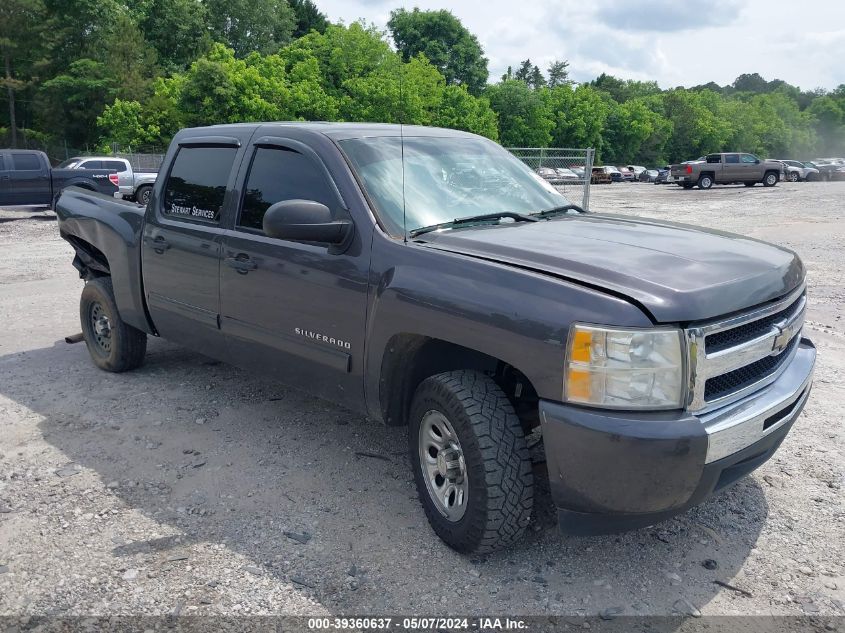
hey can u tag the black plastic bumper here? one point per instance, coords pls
(618, 471)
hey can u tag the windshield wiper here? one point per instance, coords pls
(519, 217)
(555, 210)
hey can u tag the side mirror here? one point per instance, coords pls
(305, 221)
(757, 161)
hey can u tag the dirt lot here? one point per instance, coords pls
(192, 487)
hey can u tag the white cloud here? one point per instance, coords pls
(675, 42)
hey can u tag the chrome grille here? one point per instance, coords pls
(732, 357)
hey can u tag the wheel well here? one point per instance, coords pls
(89, 261)
(410, 358)
(712, 174)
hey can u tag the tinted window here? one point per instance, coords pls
(1, 163)
(731, 158)
(714, 158)
(92, 164)
(277, 175)
(197, 183)
(26, 162)
(117, 165)
(749, 158)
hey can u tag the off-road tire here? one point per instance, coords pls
(142, 194)
(770, 179)
(127, 345)
(498, 464)
(705, 181)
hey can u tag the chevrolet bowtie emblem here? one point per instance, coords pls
(782, 339)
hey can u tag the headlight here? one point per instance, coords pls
(624, 369)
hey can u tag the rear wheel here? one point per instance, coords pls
(770, 179)
(114, 346)
(705, 181)
(793, 176)
(471, 464)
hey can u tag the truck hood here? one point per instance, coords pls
(674, 272)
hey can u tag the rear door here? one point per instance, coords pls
(295, 311)
(733, 169)
(182, 242)
(29, 179)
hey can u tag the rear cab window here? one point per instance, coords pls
(196, 186)
(116, 165)
(714, 158)
(91, 164)
(26, 162)
(278, 174)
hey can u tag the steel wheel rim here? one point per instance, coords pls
(443, 466)
(101, 327)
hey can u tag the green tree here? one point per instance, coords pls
(444, 41)
(524, 118)
(558, 72)
(71, 101)
(248, 26)
(130, 60)
(307, 17)
(20, 37)
(579, 116)
(177, 29)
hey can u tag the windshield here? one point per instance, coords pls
(445, 179)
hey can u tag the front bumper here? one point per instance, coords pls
(612, 471)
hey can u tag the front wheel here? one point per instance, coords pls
(471, 464)
(770, 179)
(793, 176)
(114, 346)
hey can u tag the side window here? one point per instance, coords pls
(714, 158)
(1, 164)
(749, 158)
(26, 162)
(197, 182)
(116, 165)
(731, 158)
(279, 174)
(92, 164)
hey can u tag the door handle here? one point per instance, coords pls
(159, 244)
(241, 263)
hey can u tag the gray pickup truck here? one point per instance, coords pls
(26, 178)
(425, 277)
(725, 169)
(133, 185)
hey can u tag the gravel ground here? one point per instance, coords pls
(191, 487)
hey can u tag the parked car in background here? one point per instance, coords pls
(664, 176)
(648, 175)
(613, 172)
(795, 170)
(627, 174)
(600, 176)
(579, 171)
(827, 168)
(27, 178)
(133, 185)
(567, 175)
(547, 173)
(727, 168)
(637, 169)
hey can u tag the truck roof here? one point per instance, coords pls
(340, 131)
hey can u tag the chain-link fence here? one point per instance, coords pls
(567, 168)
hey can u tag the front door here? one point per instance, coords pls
(181, 247)
(294, 311)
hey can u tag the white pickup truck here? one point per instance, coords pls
(132, 185)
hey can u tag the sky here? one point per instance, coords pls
(674, 42)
